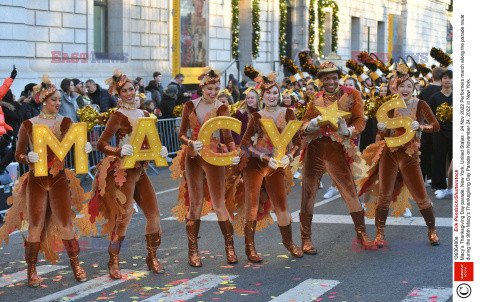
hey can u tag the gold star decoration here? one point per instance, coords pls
(331, 114)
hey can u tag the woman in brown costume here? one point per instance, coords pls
(115, 189)
(392, 167)
(257, 150)
(201, 181)
(46, 200)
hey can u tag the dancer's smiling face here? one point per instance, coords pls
(52, 103)
(252, 99)
(210, 91)
(270, 96)
(330, 81)
(127, 93)
(405, 90)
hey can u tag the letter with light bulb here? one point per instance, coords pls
(145, 129)
(280, 141)
(43, 137)
(398, 122)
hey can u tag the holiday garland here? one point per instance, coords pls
(235, 29)
(311, 27)
(283, 29)
(321, 20)
(256, 27)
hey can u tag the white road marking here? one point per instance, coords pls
(22, 275)
(87, 288)
(166, 191)
(427, 294)
(191, 288)
(308, 290)
(317, 204)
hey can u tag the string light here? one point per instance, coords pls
(255, 27)
(235, 29)
(283, 28)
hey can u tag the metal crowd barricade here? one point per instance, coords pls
(167, 131)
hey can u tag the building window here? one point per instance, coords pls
(355, 36)
(100, 25)
(381, 41)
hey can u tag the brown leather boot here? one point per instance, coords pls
(359, 222)
(250, 251)
(429, 216)
(73, 249)
(380, 221)
(193, 226)
(306, 231)
(153, 242)
(227, 231)
(31, 255)
(287, 241)
(114, 251)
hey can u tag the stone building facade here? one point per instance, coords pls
(137, 34)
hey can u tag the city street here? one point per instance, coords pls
(407, 269)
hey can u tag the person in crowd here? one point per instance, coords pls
(27, 100)
(45, 202)
(197, 94)
(426, 147)
(150, 107)
(195, 172)
(69, 105)
(443, 139)
(100, 96)
(225, 97)
(182, 95)
(155, 93)
(141, 84)
(234, 90)
(169, 101)
(114, 197)
(157, 77)
(250, 105)
(261, 165)
(289, 99)
(81, 91)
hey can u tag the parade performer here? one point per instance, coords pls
(257, 154)
(115, 190)
(250, 105)
(289, 99)
(332, 152)
(201, 181)
(44, 203)
(394, 172)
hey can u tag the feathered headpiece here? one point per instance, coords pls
(402, 75)
(269, 81)
(443, 58)
(116, 82)
(44, 90)
(247, 91)
(293, 69)
(225, 91)
(209, 76)
(254, 75)
(371, 64)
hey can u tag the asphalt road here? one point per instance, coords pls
(408, 269)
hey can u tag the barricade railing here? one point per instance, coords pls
(167, 131)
